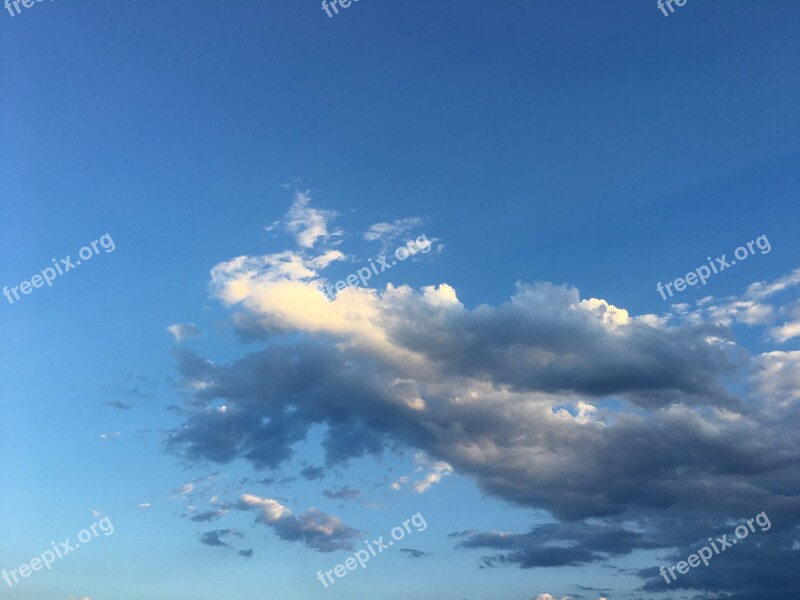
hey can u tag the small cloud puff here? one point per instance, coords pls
(184, 331)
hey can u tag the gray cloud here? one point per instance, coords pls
(412, 553)
(216, 538)
(312, 473)
(558, 544)
(547, 401)
(345, 493)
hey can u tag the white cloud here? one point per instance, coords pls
(316, 529)
(183, 331)
(185, 489)
(389, 233)
(777, 377)
(791, 327)
(438, 469)
(270, 510)
(763, 289)
(785, 332)
(307, 223)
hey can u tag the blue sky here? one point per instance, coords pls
(520, 383)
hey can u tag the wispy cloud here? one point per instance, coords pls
(184, 331)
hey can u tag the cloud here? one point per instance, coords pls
(184, 331)
(107, 437)
(134, 387)
(389, 234)
(763, 289)
(217, 537)
(557, 544)
(757, 568)
(314, 528)
(436, 471)
(790, 329)
(394, 230)
(650, 427)
(308, 224)
(117, 405)
(312, 473)
(412, 553)
(185, 489)
(776, 376)
(345, 493)
(511, 396)
(210, 515)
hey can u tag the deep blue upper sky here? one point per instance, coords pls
(594, 145)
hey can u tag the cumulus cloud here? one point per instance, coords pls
(510, 394)
(318, 530)
(632, 430)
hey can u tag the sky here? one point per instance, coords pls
(444, 300)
